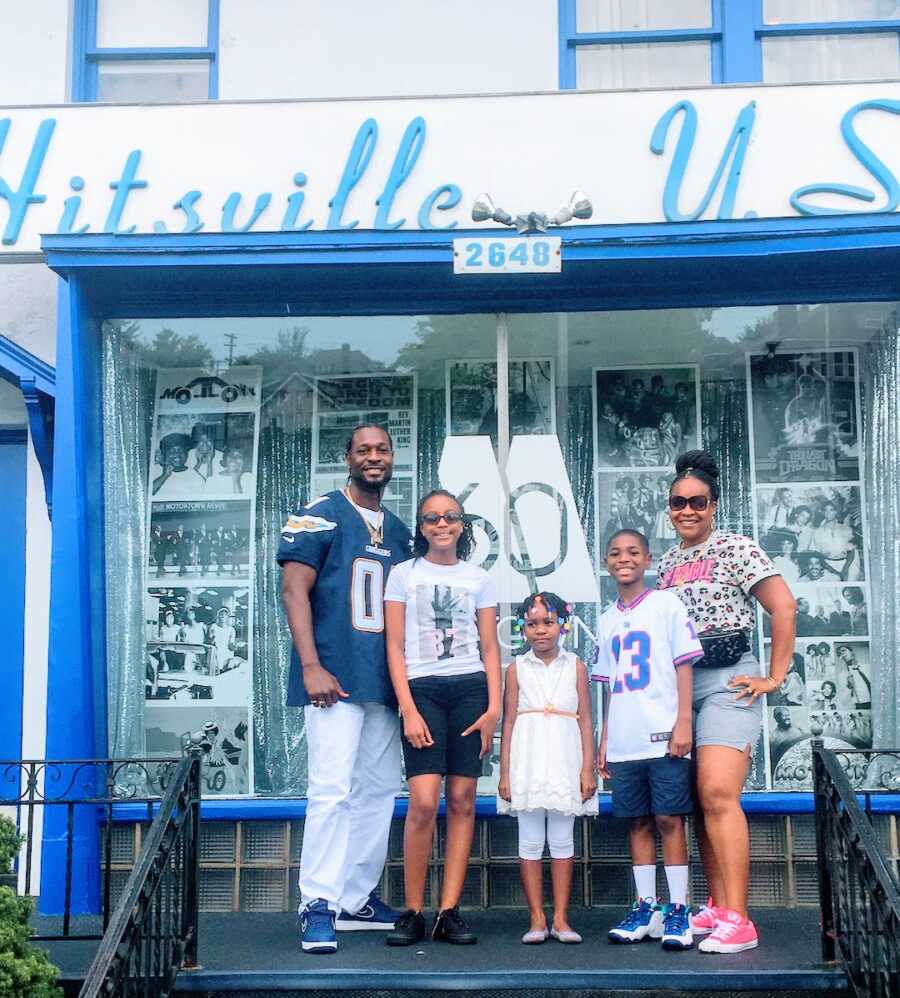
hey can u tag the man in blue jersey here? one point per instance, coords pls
(336, 552)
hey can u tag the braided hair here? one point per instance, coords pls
(699, 464)
(553, 603)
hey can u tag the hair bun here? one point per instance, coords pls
(699, 460)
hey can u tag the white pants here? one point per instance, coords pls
(541, 823)
(353, 752)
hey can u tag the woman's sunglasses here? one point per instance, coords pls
(433, 519)
(697, 503)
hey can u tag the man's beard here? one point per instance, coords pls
(364, 485)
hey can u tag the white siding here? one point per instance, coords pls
(34, 51)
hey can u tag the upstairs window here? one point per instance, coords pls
(149, 53)
(830, 40)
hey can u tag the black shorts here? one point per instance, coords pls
(448, 705)
(651, 786)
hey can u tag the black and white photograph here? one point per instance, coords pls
(828, 609)
(203, 455)
(636, 501)
(197, 645)
(644, 417)
(805, 416)
(198, 540)
(793, 689)
(342, 402)
(812, 532)
(225, 768)
(472, 397)
(788, 727)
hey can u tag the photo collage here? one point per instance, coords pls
(808, 507)
(342, 401)
(198, 593)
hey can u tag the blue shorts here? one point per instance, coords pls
(651, 786)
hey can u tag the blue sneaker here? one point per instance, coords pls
(317, 928)
(645, 920)
(677, 932)
(374, 914)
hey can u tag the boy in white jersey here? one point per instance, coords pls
(645, 648)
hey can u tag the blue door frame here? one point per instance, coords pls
(776, 261)
(13, 494)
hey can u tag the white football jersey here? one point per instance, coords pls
(639, 649)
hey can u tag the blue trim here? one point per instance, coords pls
(76, 684)
(829, 28)
(37, 382)
(741, 49)
(294, 809)
(566, 30)
(13, 495)
(86, 55)
(660, 35)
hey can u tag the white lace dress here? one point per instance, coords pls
(545, 753)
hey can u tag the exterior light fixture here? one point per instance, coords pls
(579, 206)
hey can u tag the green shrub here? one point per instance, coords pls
(25, 972)
(10, 843)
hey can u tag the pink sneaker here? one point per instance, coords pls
(705, 920)
(733, 934)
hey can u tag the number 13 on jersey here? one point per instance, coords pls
(632, 654)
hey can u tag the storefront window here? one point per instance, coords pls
(809, 11)
(152, 81)
(649, 15)
(216, 428)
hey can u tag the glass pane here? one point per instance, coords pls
(641, 15)
(656, 64)
(137, 24)
(153, 82)
(831, 57)
(215, 429)
(808, 11)
(779, 395)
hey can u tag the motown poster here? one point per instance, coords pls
(472, 397)
(198, 593)
(342, 401)
(808, 504)
(804, 416)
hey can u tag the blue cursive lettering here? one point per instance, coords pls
(123, 187)
(70, 210)
(879, 170)
(355, 167)
(192, 221)
(737, 144)
(451, 194)
(294, 205)
(404, 162)
(231, 206)
(20, 200)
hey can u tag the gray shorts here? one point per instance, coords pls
(720, 718)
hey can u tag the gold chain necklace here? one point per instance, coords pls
(376, 533)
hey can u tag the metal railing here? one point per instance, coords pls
(77, 798)
(858, 894)
(153, 931)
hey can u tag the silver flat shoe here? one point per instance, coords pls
(569, 936)
(535, 936)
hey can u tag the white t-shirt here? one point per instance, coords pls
(639, 648)
(441, 624)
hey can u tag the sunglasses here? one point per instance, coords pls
(697, 503)
(433, 519)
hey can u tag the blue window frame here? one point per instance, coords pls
(735, 33)
(88, 57)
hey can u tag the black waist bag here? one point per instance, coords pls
(723, 649)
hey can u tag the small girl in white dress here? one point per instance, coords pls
(547, 774)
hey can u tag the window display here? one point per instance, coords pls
(212, 439)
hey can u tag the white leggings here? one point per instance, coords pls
(559, 834)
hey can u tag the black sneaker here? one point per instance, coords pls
(409, 929)
(449, 927)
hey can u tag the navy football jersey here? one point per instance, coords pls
(329, 535)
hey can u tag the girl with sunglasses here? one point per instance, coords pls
(720, 576)
(444, 662)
